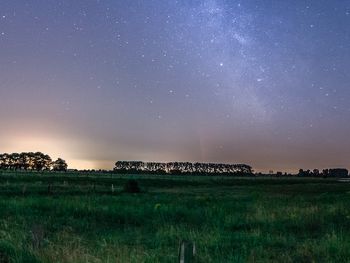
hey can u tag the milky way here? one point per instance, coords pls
(259, 82)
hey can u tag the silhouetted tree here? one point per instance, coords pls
(26, 161)
(338, 172)
(59, 165)
(182, 168)
(42, 161)
(4, 160)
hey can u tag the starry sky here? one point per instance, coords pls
(259, 82)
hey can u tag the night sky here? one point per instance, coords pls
(265, 83)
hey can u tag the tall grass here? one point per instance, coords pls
(234, 220)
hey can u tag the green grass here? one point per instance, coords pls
(230, 219)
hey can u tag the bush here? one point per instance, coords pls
(10, 254)
(132, 186)
(7, 252)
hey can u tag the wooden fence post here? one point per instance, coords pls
(187, 251)
(24, 188)
(49, 189)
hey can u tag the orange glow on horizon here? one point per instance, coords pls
(90, 164)
(56, 148)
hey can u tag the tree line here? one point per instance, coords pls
(182, 168)
(337, 172)
(37, 161)
(325, 173)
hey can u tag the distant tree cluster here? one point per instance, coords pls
(182, 168)
(325, 173)
(338, 172)
(31, 161)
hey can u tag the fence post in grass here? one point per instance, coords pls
(49, 189)
(38, 235)
(112, 188)
(187, 251)
(24, 188)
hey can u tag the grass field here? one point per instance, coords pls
(82, 219)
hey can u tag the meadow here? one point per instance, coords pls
(89, 218)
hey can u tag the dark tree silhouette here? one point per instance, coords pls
(59, 165)
(42, 161)
(338, 172)
(182, 168)
(28, 161)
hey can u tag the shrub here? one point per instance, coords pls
(132, 186)
(7, 252)
(10, 254)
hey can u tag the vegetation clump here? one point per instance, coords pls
(11, 254)
(132, 186)
(6, 252)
